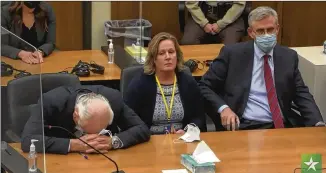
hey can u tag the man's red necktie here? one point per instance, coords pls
(272, 96)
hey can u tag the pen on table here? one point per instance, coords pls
(84, 155)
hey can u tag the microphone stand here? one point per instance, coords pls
(17, 37)
(58, 127)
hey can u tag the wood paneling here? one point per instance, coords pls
(124, 10)
(69, 25)
(164, 17)
(304, 23)
(271, 4)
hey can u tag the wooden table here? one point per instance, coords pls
(201, 53)
(61, 60)
(255, 151)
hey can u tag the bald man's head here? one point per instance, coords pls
(92, 112)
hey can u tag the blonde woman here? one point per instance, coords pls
(164, 96)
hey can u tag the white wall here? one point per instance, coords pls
(101, 12)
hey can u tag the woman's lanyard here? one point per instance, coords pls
(168, 110)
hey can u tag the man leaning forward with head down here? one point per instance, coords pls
(84, 111)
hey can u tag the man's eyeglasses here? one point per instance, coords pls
(271, 30)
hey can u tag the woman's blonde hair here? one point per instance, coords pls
(149, 66)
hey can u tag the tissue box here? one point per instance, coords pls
(135, 52)
(194, 167)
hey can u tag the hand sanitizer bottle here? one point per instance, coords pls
(111, 52)
(137, 51)
(325, 47)
(32, 158)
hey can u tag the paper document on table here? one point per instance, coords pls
(203, 154)
(175, 171)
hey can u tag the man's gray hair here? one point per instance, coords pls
(82, 102)
(260, 13)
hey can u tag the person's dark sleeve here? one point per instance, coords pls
(132, 96)
(49, 44)
(213, 80)
(132, 129)
(199, 117)
(304, 100)
(232, 14)
(6, 49)
(34, 126)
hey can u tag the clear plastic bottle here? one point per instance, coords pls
(111, 52)
(325, 47)
(32, 158)
(137, 47)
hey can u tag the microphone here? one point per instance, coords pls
(6, 31)
(72, 134)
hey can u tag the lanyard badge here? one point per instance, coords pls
(169, 127)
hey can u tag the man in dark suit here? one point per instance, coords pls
(253, 84)
(85, 111)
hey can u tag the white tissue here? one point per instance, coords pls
(204, 154)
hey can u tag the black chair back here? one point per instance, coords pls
(24, 93)
(126, 76)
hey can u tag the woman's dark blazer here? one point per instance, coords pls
(10, 44)
(141, 97)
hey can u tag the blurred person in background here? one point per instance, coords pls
(34, 22)
(220, 20)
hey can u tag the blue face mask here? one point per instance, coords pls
(266, 42)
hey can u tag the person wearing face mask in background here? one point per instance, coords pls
(34, 22)
(251, 85)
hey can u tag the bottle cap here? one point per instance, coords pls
(32, 147)
(111, 44)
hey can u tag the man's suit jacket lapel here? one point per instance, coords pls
(245, 71)
(278, 76)
(248, 63)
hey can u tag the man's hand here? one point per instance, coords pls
(27, 57)
(208, 28)
(229, 119)
(215, 28)
(101, 142)
(38, 55)
(78, 146)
